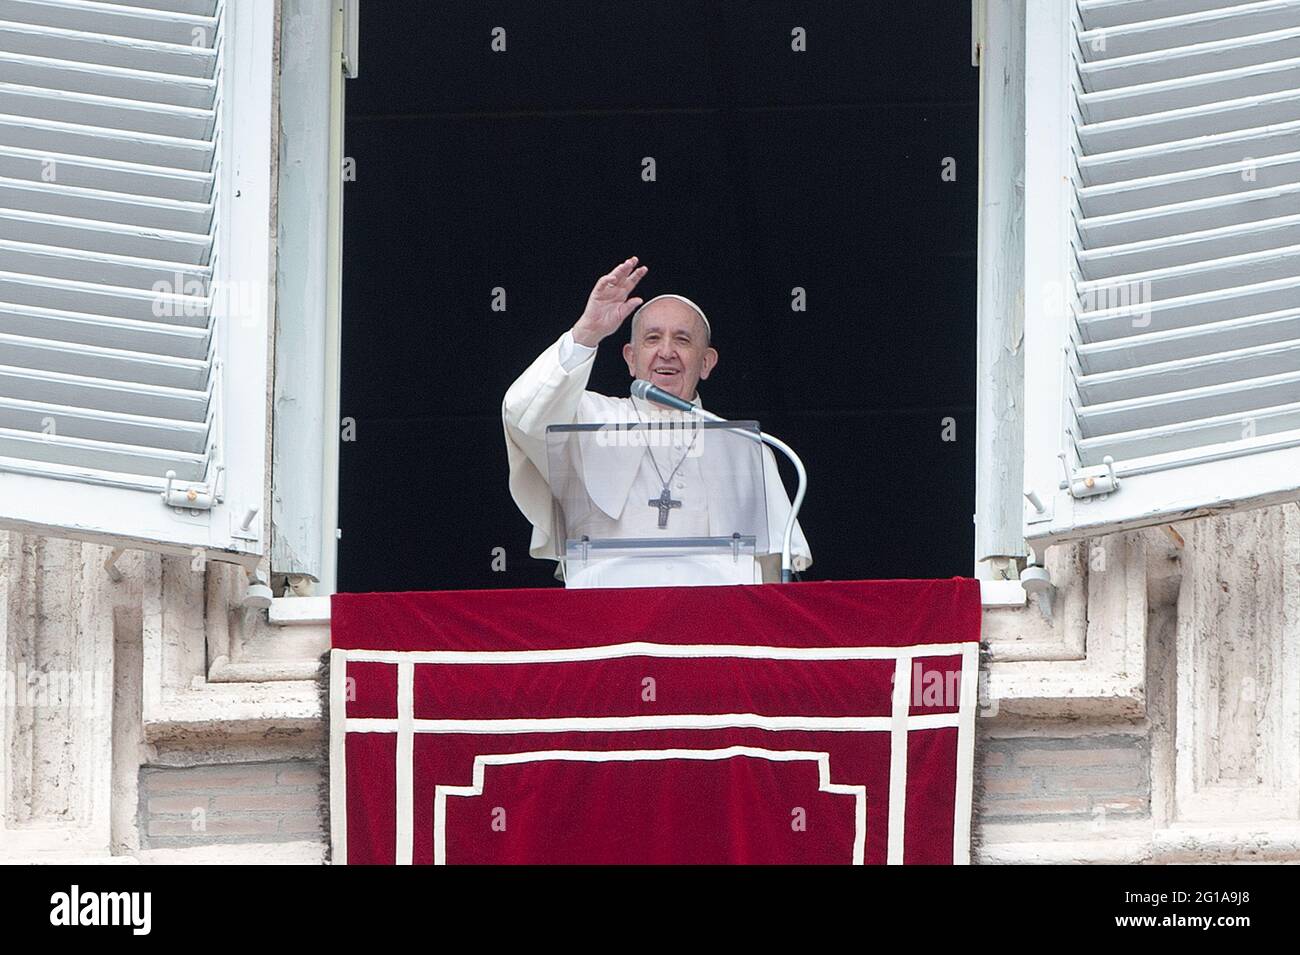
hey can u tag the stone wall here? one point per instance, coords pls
(1152, 713)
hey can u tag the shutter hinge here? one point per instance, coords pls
(1090, 482)
(194, 497)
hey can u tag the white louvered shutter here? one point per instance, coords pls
(135, 165)
(1162, 283)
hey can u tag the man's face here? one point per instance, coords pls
(670, 348)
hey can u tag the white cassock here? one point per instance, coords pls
(553, 392)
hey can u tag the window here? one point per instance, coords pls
(818, 201)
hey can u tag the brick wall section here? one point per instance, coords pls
(240, 802)
(1031, 779)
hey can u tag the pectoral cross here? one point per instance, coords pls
(665, 503)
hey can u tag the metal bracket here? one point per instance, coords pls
(1039, 588)
(1090, 482)
(245, 526)
(1042, 509)
(198, 497)
(258, 595)
(110, 565)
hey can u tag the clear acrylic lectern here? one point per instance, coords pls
(660, 503)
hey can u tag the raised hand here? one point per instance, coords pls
(608, 306)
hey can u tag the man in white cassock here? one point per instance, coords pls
(657, 490)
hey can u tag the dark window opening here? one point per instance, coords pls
(521, 170)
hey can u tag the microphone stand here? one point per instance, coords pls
(787, 568)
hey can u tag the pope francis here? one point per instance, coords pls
(670, 348)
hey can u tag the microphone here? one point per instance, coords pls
(648, 392)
